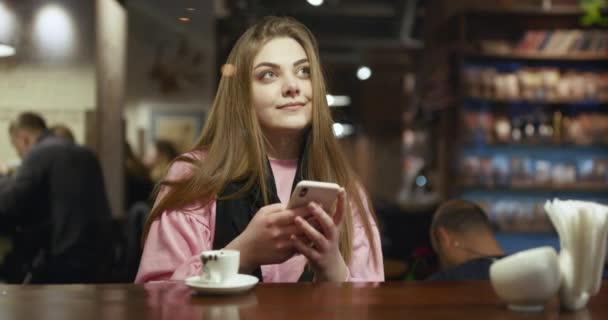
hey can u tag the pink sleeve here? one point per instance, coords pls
(363, 265)
(174, 243)
(176, 237)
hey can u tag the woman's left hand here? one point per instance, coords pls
(321, 246)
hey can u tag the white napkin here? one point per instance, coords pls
(583, 229)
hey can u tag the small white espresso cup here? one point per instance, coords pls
(528, 279)
(218, 266)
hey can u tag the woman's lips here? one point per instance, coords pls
(292, 106)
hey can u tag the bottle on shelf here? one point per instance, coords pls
(557, 127)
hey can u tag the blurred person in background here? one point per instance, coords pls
(138, 202)
(5, 171)
(163, 153)
(62, 131)
(269, 127)
(56, 208)
(139, 186)
(462, 237)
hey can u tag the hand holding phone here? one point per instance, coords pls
(318, 236)
(323, 193)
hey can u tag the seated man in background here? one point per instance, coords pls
(63, 131)
(55, 208)
(463, 239)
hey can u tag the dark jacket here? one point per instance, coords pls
(475, 269)
(57, 210)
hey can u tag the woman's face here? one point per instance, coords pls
(281, 86)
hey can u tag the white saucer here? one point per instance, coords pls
(237, 284)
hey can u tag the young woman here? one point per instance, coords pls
(269, 127)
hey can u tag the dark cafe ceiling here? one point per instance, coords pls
(344, 28)
(346, 23)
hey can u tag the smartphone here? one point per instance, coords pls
(323, 193)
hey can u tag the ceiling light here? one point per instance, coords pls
(337, 101)
(315, 3)
(342, 130)
(363, 73)
(338, 129)
(6, 50)
(8, 25)
(421, 181)
(184, 19)
(55, 34)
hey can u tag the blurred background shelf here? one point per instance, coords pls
(553, 149)
(577, 57)
(531, 117)
(526, 102)
(539, 145)
(511, 10)
(586, 187)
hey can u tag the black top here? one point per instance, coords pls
(232, 215)
(476, 269)
(58, 213)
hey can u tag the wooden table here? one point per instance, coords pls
(173, 300)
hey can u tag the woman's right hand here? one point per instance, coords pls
(266, 240)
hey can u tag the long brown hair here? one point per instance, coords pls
(235, 144)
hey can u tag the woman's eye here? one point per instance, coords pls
(267, 75)
(305, 72)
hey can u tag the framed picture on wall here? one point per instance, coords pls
(182, 128)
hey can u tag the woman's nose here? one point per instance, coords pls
(291, 88)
